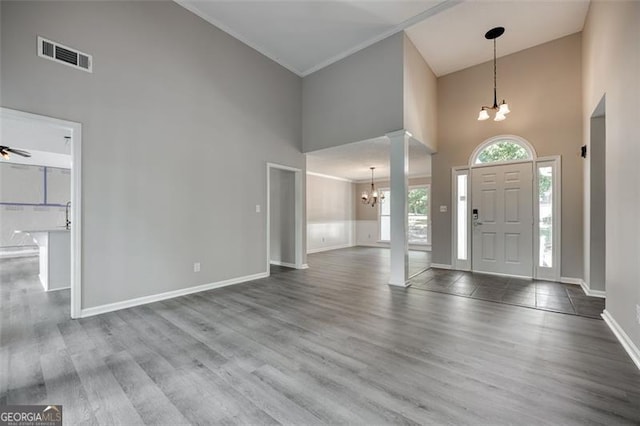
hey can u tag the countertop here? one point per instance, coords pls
(29, 231)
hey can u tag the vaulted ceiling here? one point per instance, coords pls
(305, 36)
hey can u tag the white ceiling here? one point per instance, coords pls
(305, 36)
(454, 39)
(352, 161)
(45, 142)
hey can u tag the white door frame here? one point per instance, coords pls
(554, 273)
(76, 196)
(554, 161)
(299, 255)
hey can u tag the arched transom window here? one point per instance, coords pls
(502, 149)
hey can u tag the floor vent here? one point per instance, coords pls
(65, 55)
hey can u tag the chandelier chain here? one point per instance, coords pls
(495, 73)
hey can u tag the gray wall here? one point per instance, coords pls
(611, 66)
(282, 217)
(174, 111)
(543, 87)
(330, 213)
(357, 98)
(420, 97)
(598, 203)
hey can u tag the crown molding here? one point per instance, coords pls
(330, 177)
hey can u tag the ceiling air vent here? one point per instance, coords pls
(63, 54)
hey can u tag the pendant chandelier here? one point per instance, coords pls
(503, 109)
(372, 197)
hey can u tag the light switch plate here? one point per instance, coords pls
(443, 209)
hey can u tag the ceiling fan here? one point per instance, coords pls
(5, 151)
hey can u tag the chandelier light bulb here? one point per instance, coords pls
(484, 115)
(504, 108)
(499, 116)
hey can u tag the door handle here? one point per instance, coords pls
(477, 223)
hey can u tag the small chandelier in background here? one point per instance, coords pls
(372, 197)
(503, 109)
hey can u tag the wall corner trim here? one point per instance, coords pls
(440, 266)
(623, 338)
(110, 307)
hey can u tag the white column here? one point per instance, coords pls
(399, 185)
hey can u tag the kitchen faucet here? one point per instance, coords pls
(66, 215)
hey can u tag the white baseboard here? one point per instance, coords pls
(401, 285)
(321, 249)
(594, 293)
(585, 287)
(289, 265)
(623, 338)
(97, 310)
(570, 280)
(57, 289)
(440, 266)
(285, 264)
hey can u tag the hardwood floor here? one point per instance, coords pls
(419, 261)
(331, 344)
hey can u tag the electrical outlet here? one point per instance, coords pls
(257, 208)
(638, 313)
(196, 267)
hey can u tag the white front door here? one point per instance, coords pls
(502, 198)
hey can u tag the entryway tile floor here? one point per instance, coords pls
(543, 295)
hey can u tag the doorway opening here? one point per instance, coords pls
(340, 214)
(284, 217)
(44, 216)
(596, 274)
